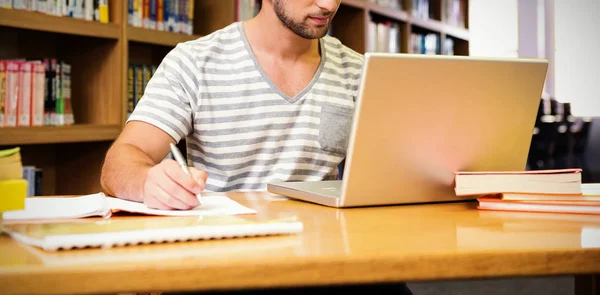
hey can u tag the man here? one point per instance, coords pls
(271, 98)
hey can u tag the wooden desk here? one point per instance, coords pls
(401, 243)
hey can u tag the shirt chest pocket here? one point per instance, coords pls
(335, 127)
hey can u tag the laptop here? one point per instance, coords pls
(420, 118)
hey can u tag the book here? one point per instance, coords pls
(579, 207)
(589, 192)
(100, 205)
(133, 231)
(558, 181)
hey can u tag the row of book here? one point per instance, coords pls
(35, 93)
(455, 15)
(247, 9)
(137, 79)
(34, 176)
(175, 16)
(92, 10)
(393, 4)
(555, 191)
(384, 36)
(421, 9)
(430, 43)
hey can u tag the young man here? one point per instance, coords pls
(271, 98)
(265, 99)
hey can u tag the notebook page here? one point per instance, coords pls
(61, 208)
(212, 205)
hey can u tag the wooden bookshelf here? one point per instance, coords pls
(70, 156)
(55, 24)
(360, 12)
(100, 54)
(155, 37)
(58, 134)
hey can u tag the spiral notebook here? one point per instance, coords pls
(90, 233)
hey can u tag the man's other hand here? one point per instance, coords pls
(167, 187)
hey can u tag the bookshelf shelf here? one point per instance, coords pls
(56, 24)
(432, 25)
(59, 134)
(156, 37)
(355, 3)
(395, 14)
(456, 32)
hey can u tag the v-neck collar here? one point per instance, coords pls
(270, 82)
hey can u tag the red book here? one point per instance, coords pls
(578, 207)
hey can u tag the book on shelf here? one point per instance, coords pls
(138, 76)
(430, 43)
(421, 9)
(454, 13)
(34, 177)
(393, 4)
(66, 235)
(246, 9)
(91, 10)
(384, 36)
(35, 92)
(175, 16)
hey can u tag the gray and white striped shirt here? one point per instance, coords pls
(239, 126)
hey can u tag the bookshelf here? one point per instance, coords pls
(100, 55)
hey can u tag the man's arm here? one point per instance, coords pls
(134, 170)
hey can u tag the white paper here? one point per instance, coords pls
(41, 208)
(211, 205)
(60, 208)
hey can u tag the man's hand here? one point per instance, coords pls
(167, 187)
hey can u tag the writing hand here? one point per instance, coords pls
(167, 187)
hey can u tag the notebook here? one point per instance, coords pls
(559, 181)
(104, 206)
(89, 233)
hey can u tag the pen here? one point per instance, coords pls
(179, 158)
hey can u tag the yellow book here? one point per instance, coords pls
(12, 194)
(10, 164)
(103, 11)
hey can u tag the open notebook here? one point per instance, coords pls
(133, 231)
(101, 205)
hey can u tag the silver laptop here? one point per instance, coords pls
(420, 118)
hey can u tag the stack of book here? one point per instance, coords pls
(557, 191)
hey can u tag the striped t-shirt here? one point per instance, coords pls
(239, 127)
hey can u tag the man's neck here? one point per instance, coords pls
(266, 33)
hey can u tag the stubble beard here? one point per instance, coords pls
(299, 29)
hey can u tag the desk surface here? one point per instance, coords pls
(396, 243)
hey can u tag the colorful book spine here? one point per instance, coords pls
(38, 91)
(24, 101)
(12, 93)
(130, 90)
(160, 15)
(2, 91)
